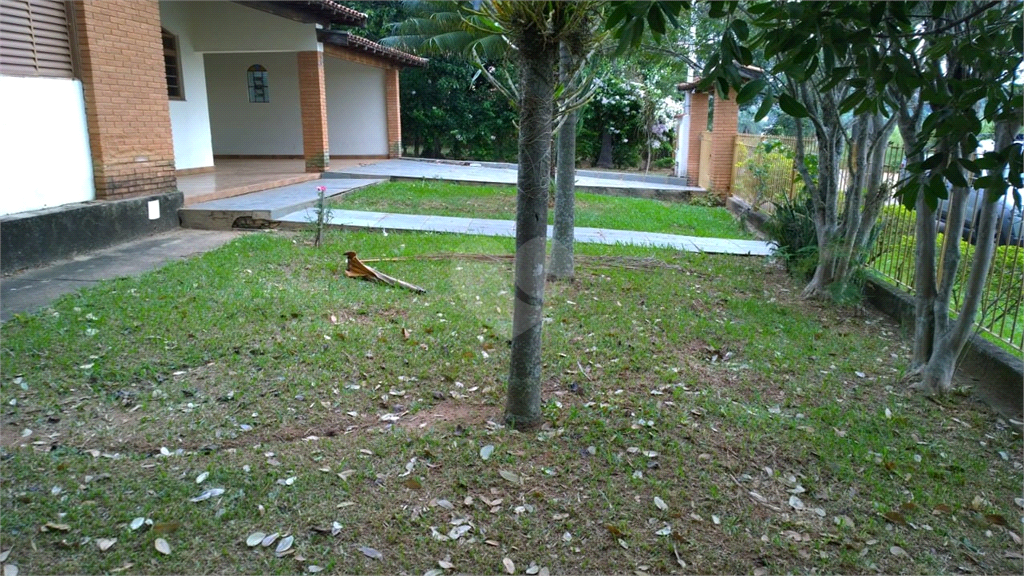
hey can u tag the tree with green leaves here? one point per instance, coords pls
(938, 70)
(537, 30)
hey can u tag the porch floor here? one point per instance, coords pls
(235, 177)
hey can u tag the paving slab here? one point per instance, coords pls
(611, 183)
(353, 219)
(266, 205)
(33, 289)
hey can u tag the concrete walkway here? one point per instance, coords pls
(350, 219)
(33, 289)
(609, 183)
(262, 208)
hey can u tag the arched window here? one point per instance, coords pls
(172, 66)
(259, 90)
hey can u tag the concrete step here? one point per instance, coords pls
(192, 198)
(260, 209)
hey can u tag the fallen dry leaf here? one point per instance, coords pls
(614, 530)
(202, 477)
(357, 269)
(5, 554)
(895, 518)
(207, 494)
(284, 545)
(660, 504)
(254, 539)
(10, 570)
(166, 527)
(162, 546)
(486, 451)
(313, 569)
(268, 540)
(58, 527)
(510, 566)
(897, 551)
(510, 476)
(996, 519)
(105, 544)
(345, 475)
(371, 553)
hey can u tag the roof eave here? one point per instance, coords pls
(356, 43)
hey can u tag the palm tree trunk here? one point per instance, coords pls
(562, 265)
(536, 89)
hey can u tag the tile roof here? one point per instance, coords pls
(324, 12)
(747, 73)
(360, 44)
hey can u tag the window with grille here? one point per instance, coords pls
(36, 39)
(259, 90)
(172, 66)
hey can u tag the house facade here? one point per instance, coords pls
(109, 100)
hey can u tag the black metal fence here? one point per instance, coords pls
(765, 175)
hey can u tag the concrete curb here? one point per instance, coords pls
(38, 237)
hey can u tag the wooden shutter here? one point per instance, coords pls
(34, 39)
(172, 66)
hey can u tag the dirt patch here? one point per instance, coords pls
(10, 436)
(449, 413)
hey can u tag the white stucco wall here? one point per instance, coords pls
(190, 118)
(44, 151)
(231, 27)
(356, 108)
(241, 127)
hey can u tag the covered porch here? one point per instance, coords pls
(232, 177)
(267, 81)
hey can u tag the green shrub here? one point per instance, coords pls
(791, 226)
(664, 163)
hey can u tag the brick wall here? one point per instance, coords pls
(394, 112)
(698, 124)
(122, 71)
(723, 136)
(313, 106)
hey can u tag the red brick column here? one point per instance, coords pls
(723, 131)
(394, 112)
(122, 70)
(313, 105)
(698, 124)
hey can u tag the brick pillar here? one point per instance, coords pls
(723, 138)
(394, 112)
(698, 124)
(313, 104)
(122, 69)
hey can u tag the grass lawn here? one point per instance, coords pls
(499, 203)
(699, 418)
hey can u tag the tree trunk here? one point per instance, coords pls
(562, 265)
(936, 377)
(536, 89)
(604, 158)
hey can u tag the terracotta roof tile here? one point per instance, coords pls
(360, 44)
